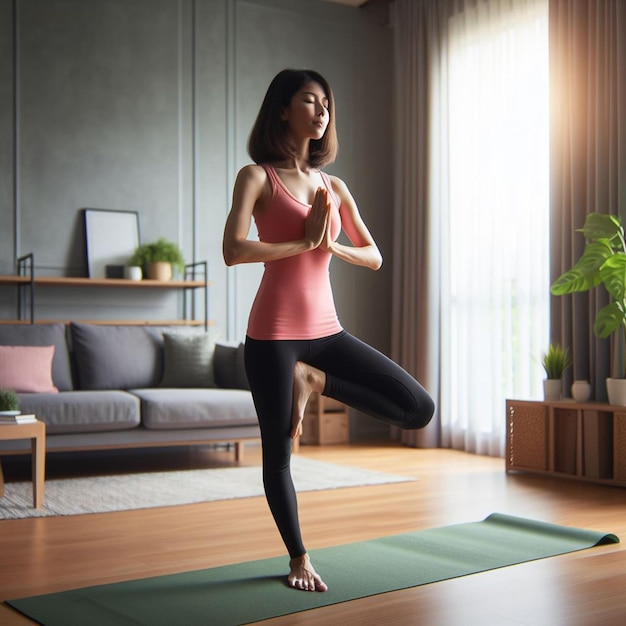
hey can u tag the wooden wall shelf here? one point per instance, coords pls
(54, 281)
(577, 440)
(113, 322)
(26, 282)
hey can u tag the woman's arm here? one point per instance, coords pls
(363, 250)
(250, 186)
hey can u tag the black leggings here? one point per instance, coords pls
(356, 374)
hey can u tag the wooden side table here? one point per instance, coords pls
(36, 432)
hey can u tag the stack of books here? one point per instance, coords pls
(16, 418)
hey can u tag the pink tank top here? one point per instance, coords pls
(295, 299)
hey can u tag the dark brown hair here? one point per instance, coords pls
(269, 140)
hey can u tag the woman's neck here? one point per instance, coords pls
(300, 159)
(300, 165)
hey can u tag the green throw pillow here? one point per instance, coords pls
(188, 360)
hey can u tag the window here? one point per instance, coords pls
(495, 279)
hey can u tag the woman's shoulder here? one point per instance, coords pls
(253, 182)
(252, 173)
(252, 176)
(339, 187)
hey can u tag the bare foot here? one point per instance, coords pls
(303, 576)
(306, 380)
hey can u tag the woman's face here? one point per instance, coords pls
(307, 113)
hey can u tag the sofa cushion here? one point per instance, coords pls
(43, 335)
(195, 408)
(241, 378)
(188, 360)
(229, 366)
(83, 411)
(117, 357)
(27, 369)
(224, 365)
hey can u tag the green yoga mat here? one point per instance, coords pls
(250, 592)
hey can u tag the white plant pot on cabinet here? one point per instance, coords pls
(552, 389)
(616, 391)
(581, 390)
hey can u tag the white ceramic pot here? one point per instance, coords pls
(133, 272)
(616, 390)
(581, 390)
(552, 389)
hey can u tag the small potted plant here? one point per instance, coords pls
(9, 402)
(555, 361)
(158, 259)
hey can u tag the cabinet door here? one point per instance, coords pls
(597, 444)
(619, 446)
(566, 440)
(527, 436)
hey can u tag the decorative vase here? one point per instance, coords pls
(133, 272)
(616, 391)
(552, 388)
(160, 270)
(581, 390)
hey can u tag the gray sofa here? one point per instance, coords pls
(130, 386)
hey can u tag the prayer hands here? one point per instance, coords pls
(317, 225)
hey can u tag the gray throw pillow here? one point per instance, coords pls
(229, 366)
(117, 357)
(188, 360)
(240, 369)
(224, 365)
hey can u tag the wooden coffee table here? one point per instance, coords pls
(36, 432)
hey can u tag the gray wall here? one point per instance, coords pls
(146, 105)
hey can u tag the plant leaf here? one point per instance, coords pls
(609, 318)
(613, 274)
(586, 273)
(601, 226)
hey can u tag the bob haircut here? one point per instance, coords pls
(269, 139)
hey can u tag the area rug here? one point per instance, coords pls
(103, 494)
(254, 591)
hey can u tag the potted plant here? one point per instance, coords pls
(603, 262)
(555, 361)
(9, 402)
(158, 259)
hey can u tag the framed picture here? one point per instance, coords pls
(111, 238)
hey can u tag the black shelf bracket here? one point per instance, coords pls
(196, 271)
(26, 267)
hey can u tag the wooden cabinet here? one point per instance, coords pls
(326, 421)
(578, 440)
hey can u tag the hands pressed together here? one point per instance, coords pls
(317, 225)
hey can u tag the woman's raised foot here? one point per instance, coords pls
(306, 380)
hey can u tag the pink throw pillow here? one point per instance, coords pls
(27, 369)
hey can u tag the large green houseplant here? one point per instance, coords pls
(603, 262)
(162, 251)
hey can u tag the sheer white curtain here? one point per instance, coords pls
(495, 266)
(488, 132)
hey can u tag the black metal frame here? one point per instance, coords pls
(194, 271)
(26, 267)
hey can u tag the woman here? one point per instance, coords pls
(295, 344)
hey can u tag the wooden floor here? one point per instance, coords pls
(587, 588)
